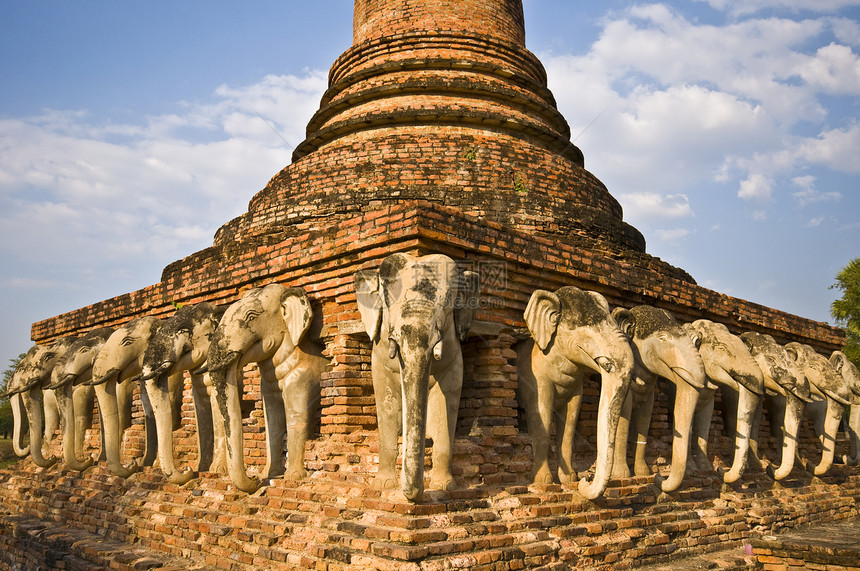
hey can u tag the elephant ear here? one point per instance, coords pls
(625, 320)
(542, 315)
(468, 286)
(837, 358)
(297, 313)
(601, 301)
(747, 339)
(696, 332)
(369, 300)
(792, 352)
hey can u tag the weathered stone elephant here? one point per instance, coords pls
(267, 326)
(416, 310)
(115, 369)
(574, 337)
(730, 367)
(182, 344)
(786, 395)
(75, 398)
(13, 391)
(830, 397)
(851, 376)
(662, 348)
(27, 389)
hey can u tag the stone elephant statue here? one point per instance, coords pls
(115, 370)
(75, 398)
(267, 326)
(786, 395)
(851, 376)
(574, 337)
(730, 367)
(182, 344)
(28, 395)
(416, 311)
(830, 396)
(661, 348)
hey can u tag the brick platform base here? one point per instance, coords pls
(329, 524)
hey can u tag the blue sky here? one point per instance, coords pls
(129, 132)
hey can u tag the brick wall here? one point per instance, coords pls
(383, 18)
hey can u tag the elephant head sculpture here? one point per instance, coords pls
(851, 376)
(416, 311)
(115, 369)
(13, 392)
(574, 337)
(830, 397)
(731, 368)
(182, 344)
(75, 398)
(27, 389)
(662, 348)
(267, 326)
(786, 394)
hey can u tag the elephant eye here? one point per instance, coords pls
(605, 364)
(252, 315)
(127, 341)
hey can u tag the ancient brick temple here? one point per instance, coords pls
(437, 134)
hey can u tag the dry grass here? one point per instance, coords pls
(7, 454)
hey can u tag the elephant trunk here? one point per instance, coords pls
(793, 412)
(162, 411)
(70, 440)
(748, 402)
(18, 415)
(106, 393)
(33, 404)
(686, 397)
(415, 373)
(226, 385)
(832, 418)
(613, 392)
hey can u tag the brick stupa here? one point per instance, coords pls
(437, 134)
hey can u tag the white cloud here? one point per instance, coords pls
(834, 69)
(74, 192)
(671, 234)
(742, 7)
(756, 187)
(815, 222)
(835, 149)
(651, 205)
(808, 194)
(681, 104)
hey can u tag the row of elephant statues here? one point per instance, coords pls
(417, 311)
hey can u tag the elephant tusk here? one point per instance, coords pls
(103, 379)
(392, 348)
(437, 351)
(150, 372)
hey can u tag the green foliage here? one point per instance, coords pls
(520, 184)
(6, 419)
(10, 370)
(470, 154)
(5, 406)
(846, 310)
